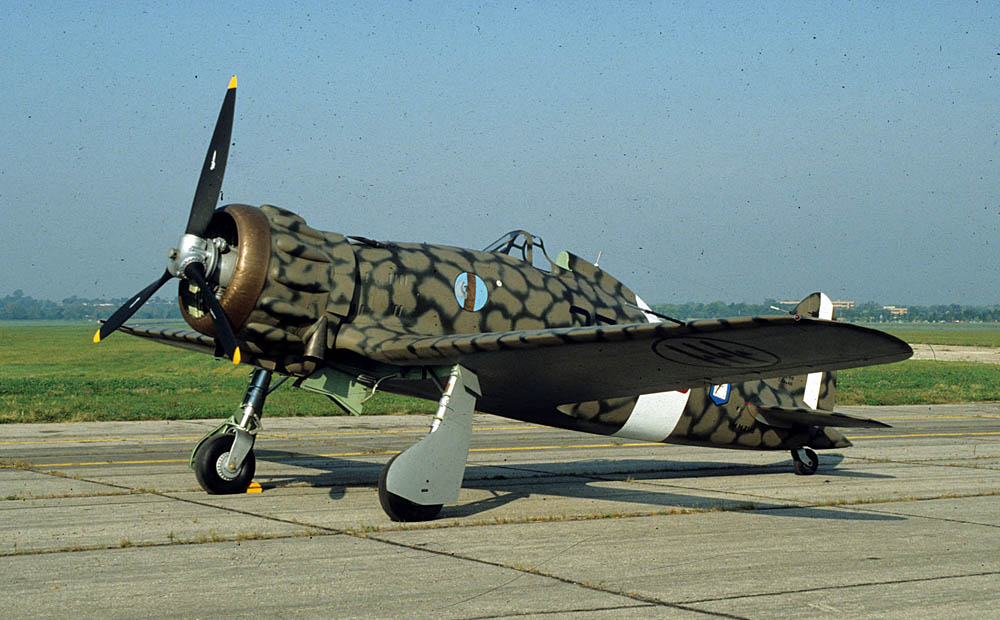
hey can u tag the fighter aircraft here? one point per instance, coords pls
(505, 330)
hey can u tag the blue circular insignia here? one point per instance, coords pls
(470, 292)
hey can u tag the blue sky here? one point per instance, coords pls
(712, 151)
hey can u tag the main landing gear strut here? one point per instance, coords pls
(416, 483)
(223, 461)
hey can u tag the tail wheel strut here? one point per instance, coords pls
(806, 461)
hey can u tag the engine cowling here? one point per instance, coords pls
(283, 285)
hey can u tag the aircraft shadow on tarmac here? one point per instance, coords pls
(658, 481)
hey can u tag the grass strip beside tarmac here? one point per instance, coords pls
(53, 373)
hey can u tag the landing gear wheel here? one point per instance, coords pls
(210, 467)
(399, 508)
(806, 463)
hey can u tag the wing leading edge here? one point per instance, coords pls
(555, 366)
(177, 337)
(550, 367)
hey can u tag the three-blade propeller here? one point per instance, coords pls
(206, 197)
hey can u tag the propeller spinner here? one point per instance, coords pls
(196, 257)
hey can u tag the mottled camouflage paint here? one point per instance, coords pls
(736, 425)
(307, 290)
(407, 289)
(327, 299)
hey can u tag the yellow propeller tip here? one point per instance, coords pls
(232, 83)
(97, 336)
(236, 356)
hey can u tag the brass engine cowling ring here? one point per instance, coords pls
(247, 227)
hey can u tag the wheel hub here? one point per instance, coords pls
(224, 472)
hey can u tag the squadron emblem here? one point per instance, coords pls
(470, 291)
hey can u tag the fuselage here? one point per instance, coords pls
(306, 299)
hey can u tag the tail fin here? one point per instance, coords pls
(820, 387)
(806, 400)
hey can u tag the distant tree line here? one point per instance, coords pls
(714, 310)
(17, 306)
(942, 313)
(20, 307)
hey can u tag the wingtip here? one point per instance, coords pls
(236, 356)
(232, 83)
(97, 336)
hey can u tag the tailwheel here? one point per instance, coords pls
(806, 461)
(399, 508)
(212, 471)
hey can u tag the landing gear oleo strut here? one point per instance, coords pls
(416, 483)
(223, 461)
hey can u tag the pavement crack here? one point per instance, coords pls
(137, 491)
(848, 586)
(561, 612)
(520, 574)
(907, 515)
(635, 596)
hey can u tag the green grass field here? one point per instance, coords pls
(54, 373)
(965, 334)
(916, 382)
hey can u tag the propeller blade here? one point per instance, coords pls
(223, 331)
(206, 195)
(126, 311)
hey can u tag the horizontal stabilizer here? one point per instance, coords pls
(787, 418)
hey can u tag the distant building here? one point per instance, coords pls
(837, 305)
(896, 310)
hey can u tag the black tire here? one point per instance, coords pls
(808, 466)
(399, 508)
(208, 462)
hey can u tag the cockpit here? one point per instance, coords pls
(521, 244)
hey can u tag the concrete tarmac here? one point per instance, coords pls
(106, 520)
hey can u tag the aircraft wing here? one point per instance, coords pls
(183, 338)
(556, 366)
